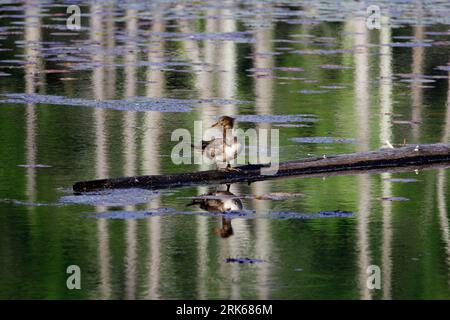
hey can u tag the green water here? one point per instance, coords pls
(233, 52)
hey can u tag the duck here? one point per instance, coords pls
(218, 201)
(223, 150)
(223, 201)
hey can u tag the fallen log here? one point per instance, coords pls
(384, 160)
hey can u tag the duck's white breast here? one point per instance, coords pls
(231, 152)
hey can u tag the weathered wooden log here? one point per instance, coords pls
(383, 160)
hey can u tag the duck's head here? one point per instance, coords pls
(226, 230)
(224, 121)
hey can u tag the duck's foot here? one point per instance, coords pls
(230, 169)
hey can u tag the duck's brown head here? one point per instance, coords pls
(225, 121)
(226, 230)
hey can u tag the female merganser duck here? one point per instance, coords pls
(219, 201)
(225, 202)
(225, 149)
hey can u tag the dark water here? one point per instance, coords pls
(104, 100)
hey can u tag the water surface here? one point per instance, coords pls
(104, 100)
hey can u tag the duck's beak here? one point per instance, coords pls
(215, 124)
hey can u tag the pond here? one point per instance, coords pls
(103, 101)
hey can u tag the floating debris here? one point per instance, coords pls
(243, 260)
(31, 203)
(402, 180)
(111, 198)
(128, 215)
(168, 211)
(418, 80)
(437, 33)
(234, 36)
(292, 78)
(443, 68)
(395, 199)
(277, 118)
(312, 91)
(218, 197)
(323, 140)
(308, 216)
(322, 51)
(51, 71)
(410, 122)
(334, 67)
(141, 104)
(403, 37)
(332, 87)
(242, 214)
(408, 44)
(34, 166)
(279, 196)
(291, 125)
(290, 69)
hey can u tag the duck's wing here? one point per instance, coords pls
(213, 148)
(214, 143)
(210, 205)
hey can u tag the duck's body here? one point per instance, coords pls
(214, 150)
(220, 201)
(225, 202)
(222, 150)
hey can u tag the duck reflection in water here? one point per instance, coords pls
(220, 201)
